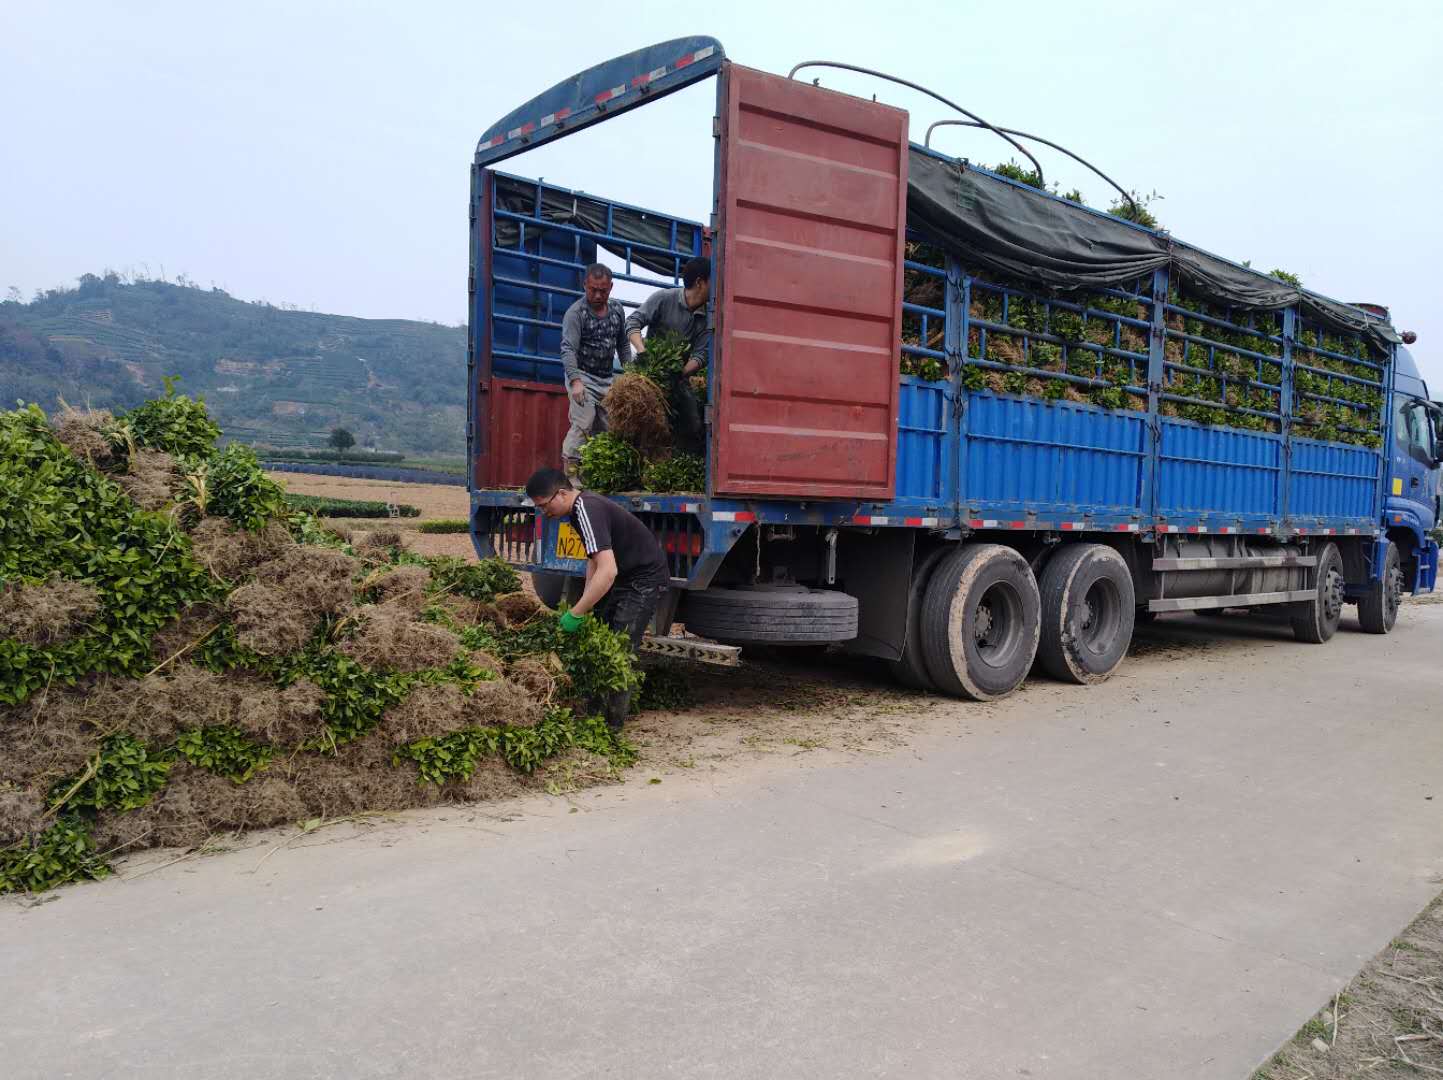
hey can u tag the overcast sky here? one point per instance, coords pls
(317, 153)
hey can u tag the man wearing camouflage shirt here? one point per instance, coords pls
(593, 336)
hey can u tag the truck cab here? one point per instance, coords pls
(1411, 505)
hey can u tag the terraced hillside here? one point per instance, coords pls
(268, 374)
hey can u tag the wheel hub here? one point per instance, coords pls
(983, 623)
(1333, 594)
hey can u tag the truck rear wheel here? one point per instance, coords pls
(771, 615)
(911, 669)
(1316, 620)
(980, 622)
(1087, 613)
(1378, 610)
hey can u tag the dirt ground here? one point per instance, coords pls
(433, 500)
(780, 707)
(455, 544)
(1387, 1022)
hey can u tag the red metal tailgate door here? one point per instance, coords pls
(812, 203)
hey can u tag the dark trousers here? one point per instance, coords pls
(628, 607)
(686, 417)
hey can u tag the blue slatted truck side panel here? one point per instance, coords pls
(923, 468)
(1055, 459)
(1330, 482)
(529, 300)
(1055, 426)
(925, 471)
(1218, 472)
(540, 249)
(1144, 402)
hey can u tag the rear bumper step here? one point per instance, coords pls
(701, 652)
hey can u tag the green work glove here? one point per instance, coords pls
(570, 623)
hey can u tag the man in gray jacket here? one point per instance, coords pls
(680, 311)
(592, 337)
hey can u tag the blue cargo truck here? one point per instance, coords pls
(953, 421)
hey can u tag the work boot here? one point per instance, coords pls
(572, 468)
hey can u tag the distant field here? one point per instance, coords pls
(387, 474)
(453, 466)
(433, 500)
(333, 457)
(325, 506)
(449, 466)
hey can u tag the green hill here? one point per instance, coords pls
(269, 375)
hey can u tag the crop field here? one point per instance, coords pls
(433, 500)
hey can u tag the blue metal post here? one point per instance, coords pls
(1285, 416)
(1385, 454)
(475, 319)
(954, 344)
(1155, 374)
(959, 314)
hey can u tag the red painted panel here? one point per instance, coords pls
(811, 216)
(527, 424)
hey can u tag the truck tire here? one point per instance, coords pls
(1088, 608)
(911, 669)
(771, 615)
(1378, 610)
(980, 622)
(1316, 620)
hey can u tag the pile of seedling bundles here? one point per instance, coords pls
(1222, 366)
(925, 331)
(182, 656)
(1212, 379)
(1081, 348)
(1347, 409)
(637, 451)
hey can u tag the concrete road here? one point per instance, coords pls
(1159, 877)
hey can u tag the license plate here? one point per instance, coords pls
(568, 543)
